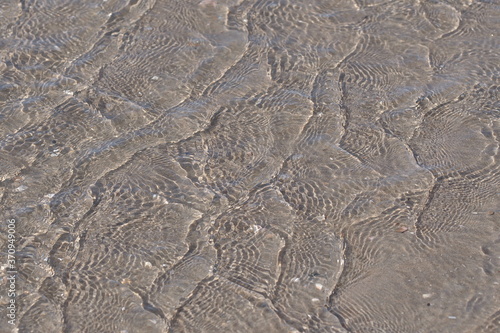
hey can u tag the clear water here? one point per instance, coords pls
(251, 166)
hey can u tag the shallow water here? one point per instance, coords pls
(251, 166)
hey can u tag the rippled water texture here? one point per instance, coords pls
(248, 166)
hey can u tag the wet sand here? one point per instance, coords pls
(250, 166)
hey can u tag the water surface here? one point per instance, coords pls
(251, 166)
